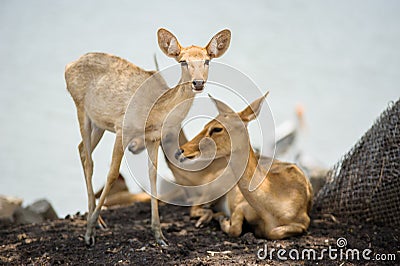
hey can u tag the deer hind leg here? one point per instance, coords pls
(95, 134)
(113, 174)
(152, 148)
(85, 152)
(285, 231)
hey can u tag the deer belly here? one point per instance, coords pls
(105, 119)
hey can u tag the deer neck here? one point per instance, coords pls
(182, 91)
(185, 89)
(175, 104)
(176, 95)
(253, 169)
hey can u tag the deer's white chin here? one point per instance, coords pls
(195, 90)
(183, 158)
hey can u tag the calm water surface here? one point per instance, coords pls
(340, 59)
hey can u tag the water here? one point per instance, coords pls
(340, 59)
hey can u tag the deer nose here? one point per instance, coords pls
(198, 84)
(178, 153)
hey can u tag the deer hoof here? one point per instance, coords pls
(89, 240)
(161, 240)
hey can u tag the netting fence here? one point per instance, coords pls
(365, 184)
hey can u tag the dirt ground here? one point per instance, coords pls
(129, 240)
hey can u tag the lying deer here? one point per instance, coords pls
(279, 206)
(119, 194)
(102, 85)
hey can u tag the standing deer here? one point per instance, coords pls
(279, 206)
(102, 85)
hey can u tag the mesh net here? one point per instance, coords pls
(365, 184)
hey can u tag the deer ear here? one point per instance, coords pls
(253, 110)
(222, 107)
(168, 43)
(219, 44)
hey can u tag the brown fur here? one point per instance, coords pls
(279, 206)
(102, 85)
(119, 194)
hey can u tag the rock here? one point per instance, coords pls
(12, 200)
(7, 210)
(44, 209)
(11, 211)
(26, 216)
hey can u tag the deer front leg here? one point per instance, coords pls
(232, 226)
(205, 215)
(152, 148)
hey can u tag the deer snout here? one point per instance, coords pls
(180, 155)
(136, 146)
(198, 84)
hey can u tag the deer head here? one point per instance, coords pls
(225, 134)
(194, 60)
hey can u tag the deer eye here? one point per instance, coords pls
(207, 62)
(215, 130)
(183, 63)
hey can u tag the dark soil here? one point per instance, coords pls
(129, 240)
